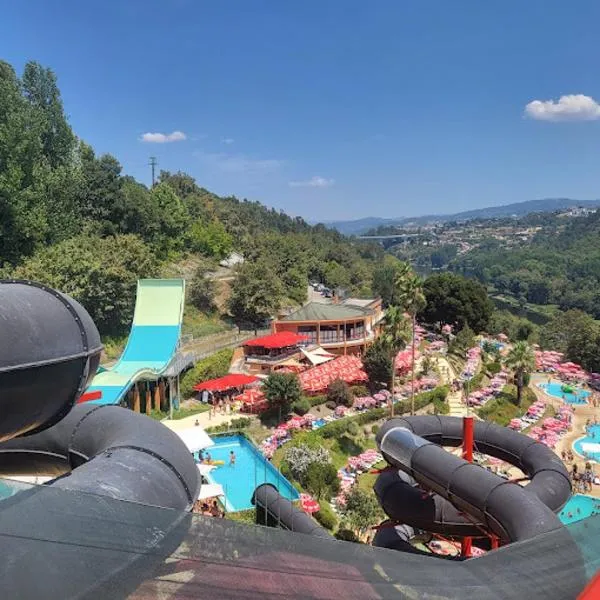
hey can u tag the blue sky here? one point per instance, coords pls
(332, 109)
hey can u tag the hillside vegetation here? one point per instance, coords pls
(71, 219)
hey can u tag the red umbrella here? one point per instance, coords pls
(309, 504)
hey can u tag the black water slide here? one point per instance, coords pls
(465, 498)
(50, 350)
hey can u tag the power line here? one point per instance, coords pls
(153, 163)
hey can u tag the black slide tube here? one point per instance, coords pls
(49, 351)
(403, 502)
(111, 451)
(273, 505)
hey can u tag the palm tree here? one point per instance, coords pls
(395, 335)
(409, 295)
(521, 359)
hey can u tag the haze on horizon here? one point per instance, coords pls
(337, 110)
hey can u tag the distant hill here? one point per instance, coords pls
(518, 209)
(360, 226)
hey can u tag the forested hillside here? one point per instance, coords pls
(555, 268)
(73, 220)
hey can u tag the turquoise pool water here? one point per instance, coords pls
(250, 470)
(579, 507)
(555, 389)
(591, 437)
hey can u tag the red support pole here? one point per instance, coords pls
(467, 542)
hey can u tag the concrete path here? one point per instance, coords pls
(455, 402)
(205, 419)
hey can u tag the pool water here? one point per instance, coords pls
(579, 507)
(589, 446)
(555, 389)
(251, 469)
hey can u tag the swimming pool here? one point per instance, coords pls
(589, 445)
(555, 389)
(251, 470)
(579, 507)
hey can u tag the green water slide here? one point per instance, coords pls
(152, 342)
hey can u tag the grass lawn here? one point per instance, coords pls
(200, 324)
(503, 409)
(179, 414)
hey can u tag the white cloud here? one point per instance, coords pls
(227, 141)
(315, 181)
(163, 138)
(238, 163)
(573, 107)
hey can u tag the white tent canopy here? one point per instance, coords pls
(195, 438)
(210, 490)
(317, 356)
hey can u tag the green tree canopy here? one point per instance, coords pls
(377, 363)
(454, 299)
(101, 273)
(521, 359)
(256, 294)
(339, 392)
(282, 390)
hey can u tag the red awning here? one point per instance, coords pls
(228, 382)
(281, 339)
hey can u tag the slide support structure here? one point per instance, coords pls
(466, 546)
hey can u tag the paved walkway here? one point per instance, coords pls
(204, 419)
(457, 407)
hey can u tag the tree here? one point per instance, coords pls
(321, 479)
(395, 335)
(377, 363)
(384, 278)
(256, 294)
(42, 93)
(464, 340)
(173, 217)
(210, 239)
(521, 359)
(454, 299)
(339, 392)
(361, 511)
(101, 273)
(577, 335)
(282, 390)
(409, 295)
(202, 290)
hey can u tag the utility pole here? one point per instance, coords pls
(153, 163)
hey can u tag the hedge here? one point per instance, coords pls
(339, 427)
(326, 517)
(235, 424)
(214, 366)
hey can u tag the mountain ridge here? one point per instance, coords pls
(360, 226)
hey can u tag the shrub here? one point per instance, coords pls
(301, 407)
(359, 391)
(300, 457)
(320, 480)
(326, 516)
(334, 429)
(375, 429)
(353, 428)
(493, 368)
(316, 400)
(330, 405)
(211, 367)
(339, 392)
(345, 535)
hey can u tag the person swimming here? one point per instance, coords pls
(232, 459)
